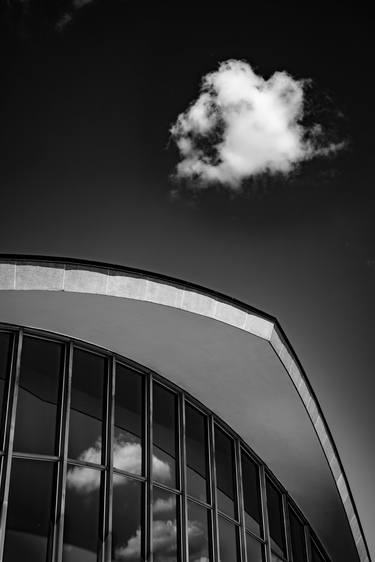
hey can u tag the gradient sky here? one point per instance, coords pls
(86, 164)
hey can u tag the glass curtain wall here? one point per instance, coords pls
(102, 460)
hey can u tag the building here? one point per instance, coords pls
(144, 418)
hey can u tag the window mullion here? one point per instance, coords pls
(266, 528)
(9, 432)
(240, 500)
(287, 535)
(63, 454)
(107, 492)
(214, 518)
(148, 468)
(183, 483)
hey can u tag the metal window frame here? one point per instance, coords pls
(182, 398)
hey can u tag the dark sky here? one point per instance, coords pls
(86, 164)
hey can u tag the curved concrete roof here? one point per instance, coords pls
(234, 359)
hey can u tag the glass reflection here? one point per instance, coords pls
(29, 511)
(251, 494)
(225, 472)
(254, 550)
(165, 524)
(228, 541)
(81, 514)
(128, 430)
(164, 435)
(196, 453)
(127, 520)
(38, 393)
(86, 411)
(5, 351)
(297, 533)
(198, 533)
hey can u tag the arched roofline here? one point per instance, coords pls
(46, 273)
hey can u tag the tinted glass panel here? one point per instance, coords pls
(254, 550)
(127, 520)
(164, 432)
(86, 412)
(275, 518)
(29, 511)
(315, 554)
(251, 494)
(196, 453)
(36, 418)
(228, 541)
(225, 472)
(5, 352)
(81, 514)
(164, 529)
(297, 533)
(127, 447)
(198, 533)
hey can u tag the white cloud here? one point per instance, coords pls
(127, 456)
(242, 125)
(132, 549)
(164, 539)
(163, 506)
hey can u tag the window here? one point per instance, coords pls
(86, 408)
(81, 525)
(196, 454)
(128, 430)
(297, 534)
(127, 534)
(165, 526)
(38, 396)
(254, 550)
(275, 518)
(29, 518)
(228, 541)
(251, 494)
(198, 532)
(164, 465)
(225, 471)
(5, 357)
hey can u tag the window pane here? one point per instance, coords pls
(127, 447)
(315, 554)
(36, 419)
(275, 518)
(127, 520)
(225, 473)
(297, 533)
(165, 527)
(196, 453)
(254, 550)
(228, 541)
(251, 494)
(29, 511)
(164, 434)
(5, 356)
(198, 533)
(86, 411)
(81, 514)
